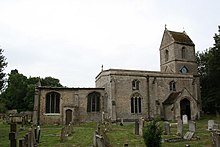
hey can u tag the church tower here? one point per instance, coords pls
(177, 53)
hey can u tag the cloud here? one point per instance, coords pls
(70, 40)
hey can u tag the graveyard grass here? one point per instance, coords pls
(118, 135)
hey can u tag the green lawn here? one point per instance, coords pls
(118, 135)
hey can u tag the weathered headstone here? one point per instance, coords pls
(13, 135)
(185, 119)
(180, 127)
(122, 122)
(136, 127)
(188, 135)
(94, 139)
(211, 124)
(166, 126)
(192, 126)
(217, 139)
(141, 126)
(100, 141)
(103, 116)
(215, 127)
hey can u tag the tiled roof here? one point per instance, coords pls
(181, 37)
(171, 98)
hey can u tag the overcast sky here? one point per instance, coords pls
(71, 39)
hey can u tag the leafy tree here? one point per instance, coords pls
(152, 134)
(19, 93)
(16, 91)
(49, 81)
(3, 65)
(209, 71)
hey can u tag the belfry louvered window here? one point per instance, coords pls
(135, 85)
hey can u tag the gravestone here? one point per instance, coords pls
(217, 139)
(141, 126)
(122, 122)
(103, 116)
(192, 126)
(211, 124)
(185, 119)
(166, 126)
(188, 135)
(215, 126)
(180, 127)
(136, 127)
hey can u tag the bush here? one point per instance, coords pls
(152, 134)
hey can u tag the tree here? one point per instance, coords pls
(152, 134)
(16, 91)
(209, 71)
(3, 65)
(50, 81)
(19, 93)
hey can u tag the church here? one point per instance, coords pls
(130, 94)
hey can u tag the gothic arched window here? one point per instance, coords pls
(93, 102)
(135, 85)
(183, 52)
(172, 86)
(52, 102)
(136, 104)
(166, 55)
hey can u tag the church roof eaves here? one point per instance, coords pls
(172, 98)
(69, 88)
(140, 73)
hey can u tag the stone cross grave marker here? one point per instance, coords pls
(185, 119)
(166, 126)
(211, 124)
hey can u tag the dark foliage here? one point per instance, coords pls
(152, 134)
(209, 71)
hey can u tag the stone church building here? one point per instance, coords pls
(130, 94)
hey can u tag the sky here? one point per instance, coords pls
(71, 39)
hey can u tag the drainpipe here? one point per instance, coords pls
(148, 97)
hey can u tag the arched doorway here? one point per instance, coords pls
(185, 108)
(68, 116)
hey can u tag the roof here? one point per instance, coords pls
(181, 37)
(171, 98)
(68, 88)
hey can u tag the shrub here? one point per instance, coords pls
(152, 134)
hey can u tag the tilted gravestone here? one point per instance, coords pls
(188, 135)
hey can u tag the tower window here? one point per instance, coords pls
(183, 52)
(172, 86)
(135, 85)
(136, 104)
(93, 102)
(166, 55)
(53, 102)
